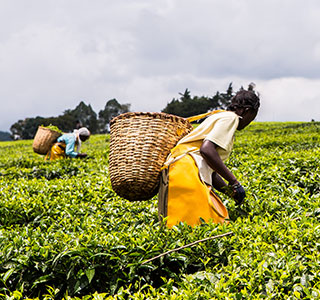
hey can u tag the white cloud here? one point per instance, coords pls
(54, 54)
(290, 99)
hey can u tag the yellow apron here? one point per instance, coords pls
(183, 196)
(57, 151)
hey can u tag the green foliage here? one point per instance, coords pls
(82, 115)
(65, 234)
(27, 128)
(112, 109)
(188, 106)
(52, 127)
(5, 136)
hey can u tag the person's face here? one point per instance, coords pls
(247, 116)
(83, 138)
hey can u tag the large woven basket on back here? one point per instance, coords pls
(44, 139)
(139, 145)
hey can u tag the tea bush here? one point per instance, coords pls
(64, 233)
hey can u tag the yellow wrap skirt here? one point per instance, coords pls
(57, 151)
(183, 196)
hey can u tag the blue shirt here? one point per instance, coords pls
(69, 139)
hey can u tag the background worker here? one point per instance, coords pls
(69, 145)
(196, 166)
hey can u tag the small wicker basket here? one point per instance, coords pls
(44, 139)
(139, 145)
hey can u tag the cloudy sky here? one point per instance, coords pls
(56, 53)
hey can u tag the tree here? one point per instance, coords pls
(16, 130)
(112, 109)
(5, 136)
(82, 114)
(221, 100)
(26, 129)
(188, 106)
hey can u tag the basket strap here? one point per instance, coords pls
(192, 149)
(174, 159)
(199, 117)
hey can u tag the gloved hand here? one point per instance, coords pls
(238, 193)
(82, 155)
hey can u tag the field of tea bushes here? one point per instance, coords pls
(64, 234)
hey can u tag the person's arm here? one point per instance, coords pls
(218, 183)
(82, 155)
(209, 153)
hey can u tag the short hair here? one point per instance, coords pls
(245, 99)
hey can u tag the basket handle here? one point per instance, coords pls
(199, 117)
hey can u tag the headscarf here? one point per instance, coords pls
(83, 131)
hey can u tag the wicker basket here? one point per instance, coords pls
(139, 145)
(44, 139)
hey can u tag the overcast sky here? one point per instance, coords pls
(54, 54)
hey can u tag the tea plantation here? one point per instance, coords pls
(64, 234)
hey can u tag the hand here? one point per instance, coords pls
(82, 155)
(238, 193)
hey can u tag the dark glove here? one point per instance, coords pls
(238, 193)
(81, 155)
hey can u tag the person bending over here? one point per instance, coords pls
(196, 166)
(69, 144)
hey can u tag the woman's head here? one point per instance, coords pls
(246, 105)
(84, 134)
(245, 99)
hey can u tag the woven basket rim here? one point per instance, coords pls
(159, 115)
(46, 128)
